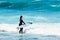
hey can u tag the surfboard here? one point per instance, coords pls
(24, 27)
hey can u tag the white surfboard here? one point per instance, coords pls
(25, 27)
(13, 28)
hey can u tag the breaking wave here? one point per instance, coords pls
(37, 5)
(36, 28)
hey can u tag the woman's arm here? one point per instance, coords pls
(23, 21)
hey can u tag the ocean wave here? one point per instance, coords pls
(37, 5)
(36, 28)
(28, 18)
(57, 6)
(15, 19)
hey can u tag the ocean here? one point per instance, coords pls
(43, 14)
(10, 36)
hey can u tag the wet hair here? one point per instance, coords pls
(21, 17)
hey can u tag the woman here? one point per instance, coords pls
(21, 23)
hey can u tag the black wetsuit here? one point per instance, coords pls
(21, 23)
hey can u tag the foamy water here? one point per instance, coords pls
(36, 28)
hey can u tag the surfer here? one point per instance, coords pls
(21, 23)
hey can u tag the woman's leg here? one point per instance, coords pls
(21, 30)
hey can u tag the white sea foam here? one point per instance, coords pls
(45, 28)
(37, 0)
(8, 27)
(36, 28)
(55, 5)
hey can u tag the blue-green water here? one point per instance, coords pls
(42, 9)
(11, 36)
(35, 11)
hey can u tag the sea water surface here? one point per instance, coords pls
(44, 15)
(11, 36)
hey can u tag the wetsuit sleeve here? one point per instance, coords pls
(23, 21)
